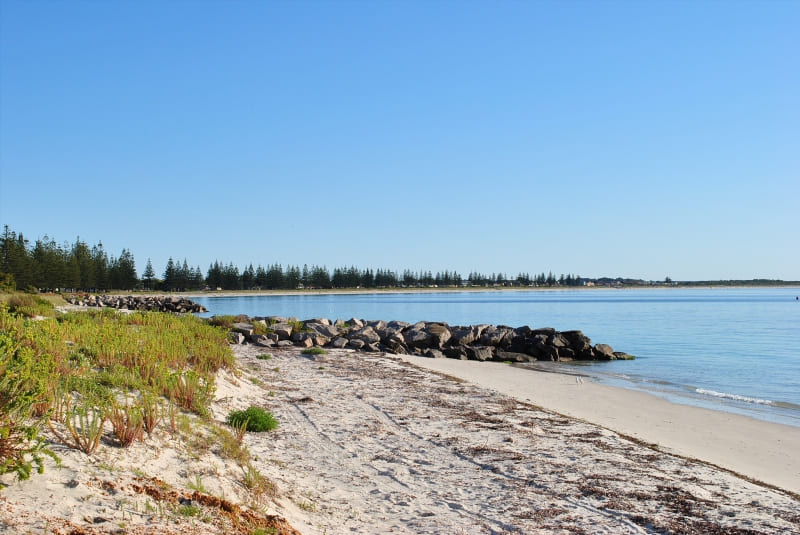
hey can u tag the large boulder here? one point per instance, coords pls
(495, 336)
(283, 330)
(366, 334)
(463, 335)
(577, 341)
(479, 353)
(603, 352)
(324, 329)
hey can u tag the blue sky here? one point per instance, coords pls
(637, 139)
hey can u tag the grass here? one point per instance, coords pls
(28, 305)
(265, 356)
(313, 351)
(253, 419)
(67, 372)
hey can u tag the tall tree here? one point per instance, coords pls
(148, 276)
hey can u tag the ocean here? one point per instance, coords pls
(728, 349)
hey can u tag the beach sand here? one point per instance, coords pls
(372, 443)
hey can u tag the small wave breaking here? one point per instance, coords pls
(735, 397)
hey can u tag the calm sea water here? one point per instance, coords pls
(734, 349)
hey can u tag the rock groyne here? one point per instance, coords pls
(139, 302)
(429, 339)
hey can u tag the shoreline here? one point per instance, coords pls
(758, 449)
(444, 289)
(377, 443)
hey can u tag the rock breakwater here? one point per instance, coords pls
(139, 302)
(429, 339)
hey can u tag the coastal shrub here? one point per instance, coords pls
(84, 426)
(127, 422)
(68, 371)
(152, 412)
(29, 305)
(190, 391)
(23, 383)
(226, 321)
(313, 351)
(265, 356)
(257, 419)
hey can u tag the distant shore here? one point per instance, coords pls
(448, 289)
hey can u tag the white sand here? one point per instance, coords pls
(372, 444)
(765, 451)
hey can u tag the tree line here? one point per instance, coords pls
(48, 265)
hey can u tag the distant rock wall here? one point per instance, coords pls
(138, 302)
(430, 339)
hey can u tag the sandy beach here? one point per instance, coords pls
(373, 443)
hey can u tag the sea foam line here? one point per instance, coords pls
(735, 397)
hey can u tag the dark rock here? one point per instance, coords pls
(237, 338)
(577, 341)
(479, 353)
(462, 335)
(603, 352)
(511, 356)
(433, 354)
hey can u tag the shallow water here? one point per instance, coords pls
(732, 349)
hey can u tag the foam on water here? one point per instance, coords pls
(735, 397)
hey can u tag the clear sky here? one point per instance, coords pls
(610, 138)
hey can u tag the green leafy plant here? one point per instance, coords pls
(255, 419)
(265, 356)
(313, 351)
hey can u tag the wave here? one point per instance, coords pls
(735, 397)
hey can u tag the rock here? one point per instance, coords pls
(494, 336)
(623, 356)
(440, 334)
(304, 341)
(462, 335)
(603, 352)
(237, 338)
(366, 334)
(479, 353)
(339, 342)
(261, 340)
(577, 341)
(355, 322)
(434, 354)
(356, 343)
(283, 330)
(557, 340)
(244, 328)
(511, 356)
(326, 330)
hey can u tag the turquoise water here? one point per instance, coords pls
(733, 349)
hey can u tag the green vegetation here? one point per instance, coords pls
(313, 351)
(257, 419)
(28, 305)
(76, 372)
(265, 356)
